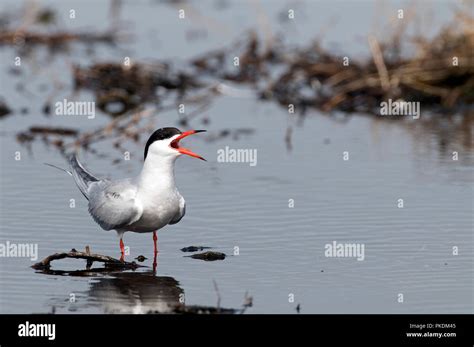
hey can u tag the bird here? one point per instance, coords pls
(142, 204)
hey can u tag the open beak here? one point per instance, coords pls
(175, 144)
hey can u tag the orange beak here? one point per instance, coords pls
(175, 144)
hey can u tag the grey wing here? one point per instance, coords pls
(113, 204)
(181, 213)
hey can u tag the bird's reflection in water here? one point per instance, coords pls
(135, 292)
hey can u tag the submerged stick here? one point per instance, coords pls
(108, 261)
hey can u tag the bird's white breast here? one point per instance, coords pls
(158, 210)
(157, 196)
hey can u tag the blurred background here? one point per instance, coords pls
(140, 62)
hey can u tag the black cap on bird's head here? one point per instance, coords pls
(175, 135)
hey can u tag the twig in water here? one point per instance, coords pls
(109, 262)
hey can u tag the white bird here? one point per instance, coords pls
(142, 204)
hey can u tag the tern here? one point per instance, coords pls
(142, 204)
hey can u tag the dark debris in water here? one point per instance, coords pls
(199, 309)
(53, 131)
(194, 248)
(141, 258)
(38, 25)
(25, 41)
(4, 109)
(50, 135)
(196, 309)
(208, 256)
(130, 85)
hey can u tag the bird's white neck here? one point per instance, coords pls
(157, 173)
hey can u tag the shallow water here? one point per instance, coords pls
(281, 249)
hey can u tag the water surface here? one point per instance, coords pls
(229, 205)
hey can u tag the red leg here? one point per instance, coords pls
(155, 244)
(122, 250)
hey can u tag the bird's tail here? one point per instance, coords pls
(82, 177)
(59, 168)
